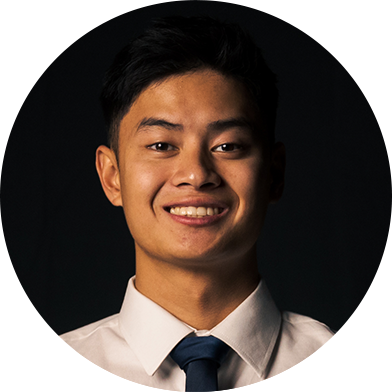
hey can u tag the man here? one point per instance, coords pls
(192, 160)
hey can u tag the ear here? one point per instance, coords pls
(109, 174)
(278, 165)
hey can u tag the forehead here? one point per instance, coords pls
(192, 100)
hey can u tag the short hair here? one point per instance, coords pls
(177, 45)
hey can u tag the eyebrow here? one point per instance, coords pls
(237, 122)
(157, 122)
(215, 126)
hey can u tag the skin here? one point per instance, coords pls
(179, 145)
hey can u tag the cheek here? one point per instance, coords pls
(251, 184)
(139, 185)
(140, 182)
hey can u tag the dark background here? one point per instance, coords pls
(321, 244)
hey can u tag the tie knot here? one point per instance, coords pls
(197, 348)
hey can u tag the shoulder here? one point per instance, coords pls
(344, 356)
(41, 367)
(305, 331)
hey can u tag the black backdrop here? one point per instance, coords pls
(321, 244)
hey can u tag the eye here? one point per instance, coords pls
(228, 147)
(161, 147)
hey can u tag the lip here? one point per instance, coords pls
(197, 202)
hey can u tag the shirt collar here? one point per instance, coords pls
(152, 332)
(252, 329)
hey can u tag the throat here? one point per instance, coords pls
(200, 300)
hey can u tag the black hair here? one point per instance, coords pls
(177, 45)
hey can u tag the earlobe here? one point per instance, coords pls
(278, 165)
(109, 174)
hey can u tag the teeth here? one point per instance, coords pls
(195, 212)
(191, 211)
(201, 211)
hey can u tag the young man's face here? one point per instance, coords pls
(194, 170)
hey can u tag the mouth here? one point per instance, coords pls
(194, 212)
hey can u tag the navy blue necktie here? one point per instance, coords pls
(200, 358)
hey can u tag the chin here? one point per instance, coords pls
(195, 256)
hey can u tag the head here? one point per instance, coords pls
(191, 110)
(179, 45)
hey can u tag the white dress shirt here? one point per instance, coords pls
(135, 344)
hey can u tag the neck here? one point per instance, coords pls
(198, 296)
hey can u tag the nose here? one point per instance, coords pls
(196, 169)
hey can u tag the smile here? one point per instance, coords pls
(195, 212)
